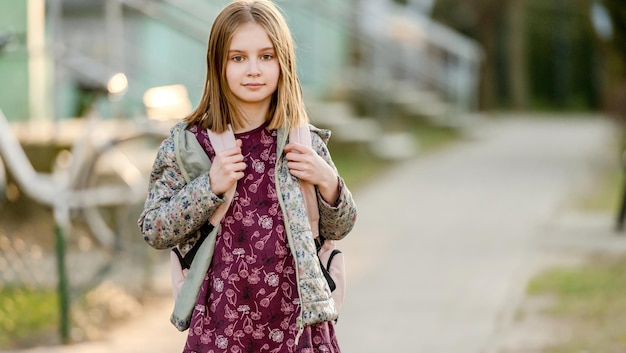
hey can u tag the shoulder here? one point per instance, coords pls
(319, 141)
(169, 143)
(322, 134)
(178, 127)
(168, 149)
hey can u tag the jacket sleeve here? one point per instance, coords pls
(174, 209)
(337, 220)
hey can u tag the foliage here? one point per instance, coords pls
(563, 61)
(25, 314)
(618, 16)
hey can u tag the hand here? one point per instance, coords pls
(226, 169)
(305, 164)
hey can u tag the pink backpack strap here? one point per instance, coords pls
(221, 142)
(302, 135)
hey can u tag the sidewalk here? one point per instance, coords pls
(443, 272)
(444, 243)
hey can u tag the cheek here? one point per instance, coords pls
(231, 84)
(274, 71)
(231, 75)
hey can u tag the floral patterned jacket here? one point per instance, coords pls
(180, 201)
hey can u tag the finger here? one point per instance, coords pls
(230, 168)
(296, 147)
(239, 167)
(301, 174)
(231, 151)
(298, 166)
(294, 157)
(232, 159)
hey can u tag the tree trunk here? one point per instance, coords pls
(489, 13)
(517, 72)
(487, 71)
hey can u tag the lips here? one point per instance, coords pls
(252, 85)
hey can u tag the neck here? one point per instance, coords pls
(253, 117)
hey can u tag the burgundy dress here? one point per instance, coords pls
(249, 299)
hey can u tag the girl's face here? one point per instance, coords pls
(252, 69)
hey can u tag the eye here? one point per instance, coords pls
(237, 58)
(267, 57)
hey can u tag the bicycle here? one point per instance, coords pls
(96, 191)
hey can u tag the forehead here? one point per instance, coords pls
(250, 36)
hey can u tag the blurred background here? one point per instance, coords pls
(89, 88)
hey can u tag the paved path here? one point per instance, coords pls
(443, 244)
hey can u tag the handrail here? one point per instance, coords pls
(156, 10)
(457, 81)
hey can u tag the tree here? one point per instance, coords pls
(517, 71)
(482, 20)
(537, 53)
(615, 57)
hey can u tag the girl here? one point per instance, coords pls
(259, 283)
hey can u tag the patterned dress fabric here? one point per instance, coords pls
(249, 300)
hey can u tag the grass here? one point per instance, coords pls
(356, 166)
(27, 315)
(588, 291)
(590, 301)
(433, 137)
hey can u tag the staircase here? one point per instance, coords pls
(410, 65)
(347, 127)
(398, 68)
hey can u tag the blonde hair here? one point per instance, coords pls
(216, 108)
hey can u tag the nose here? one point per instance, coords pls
(253, 68)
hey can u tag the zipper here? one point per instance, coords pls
(281, 141)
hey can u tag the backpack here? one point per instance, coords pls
(331, 259)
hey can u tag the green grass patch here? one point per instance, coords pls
(356, 166)
(591, 301)
(431, 137)
(26, 313)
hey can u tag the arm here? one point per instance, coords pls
(335, 202)
(336, 219)
(174, 210)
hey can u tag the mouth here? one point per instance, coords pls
(253, 85)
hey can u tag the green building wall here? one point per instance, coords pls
(14, 87)
(159, 54)
(169, 56)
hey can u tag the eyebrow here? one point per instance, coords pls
(243, 51)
